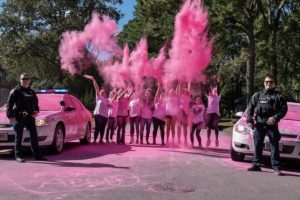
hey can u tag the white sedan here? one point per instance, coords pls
(289, 145)
(62, 118)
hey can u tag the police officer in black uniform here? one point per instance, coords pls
(22, 108)
(265, 109)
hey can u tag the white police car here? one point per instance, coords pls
(289, 145)
(62, 118)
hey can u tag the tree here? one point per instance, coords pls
(153, 19)
(30, 37)
(31, 31)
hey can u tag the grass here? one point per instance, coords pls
(226, 125)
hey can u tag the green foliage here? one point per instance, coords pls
(30, 37)
(153, 19)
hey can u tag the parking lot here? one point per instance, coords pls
(111, 171)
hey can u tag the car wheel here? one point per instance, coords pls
(236, 156)
(58, 139)
(87, 136)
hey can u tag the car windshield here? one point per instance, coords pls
(49, 102)
(293, 112)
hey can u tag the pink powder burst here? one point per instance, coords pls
(99, 33)
(191, 49)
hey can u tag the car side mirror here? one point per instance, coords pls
(69, 109)
(62, 103)
(239, 114)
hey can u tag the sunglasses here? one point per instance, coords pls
(25, 79)
(269, 82)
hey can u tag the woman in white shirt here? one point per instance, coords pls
(112, 116)
(159, 115)
(134, 118)
(100, 111)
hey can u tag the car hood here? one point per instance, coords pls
(289, 126)
(42, 114)
(285, 126)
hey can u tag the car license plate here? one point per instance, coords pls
(3, 136)
(268, 146)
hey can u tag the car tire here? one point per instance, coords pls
(235, 156)
(87, 135)
(58, 140)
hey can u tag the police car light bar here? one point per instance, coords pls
(56, 90)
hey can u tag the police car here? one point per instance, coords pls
(62, 118)
(289, 145)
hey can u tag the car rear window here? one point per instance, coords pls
(49, 102)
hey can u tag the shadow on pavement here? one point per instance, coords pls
(81, 165)
(74, 151)
(218, 153)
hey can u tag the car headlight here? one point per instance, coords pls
(42, 122)
(242, 129)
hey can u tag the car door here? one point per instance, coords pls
(80, 117)
(70, 119)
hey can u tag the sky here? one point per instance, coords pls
(127, 9)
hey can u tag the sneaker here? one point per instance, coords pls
(101, 142)
(208, 143)
(217, 143)
(41, 159)
(137, 141)
(148, 142)
(254, 168)
(278, 172)
(20, 160)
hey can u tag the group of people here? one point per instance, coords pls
(173, 109)
(265, 109)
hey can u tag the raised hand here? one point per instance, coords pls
(88, 77)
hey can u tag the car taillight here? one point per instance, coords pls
(242, 129)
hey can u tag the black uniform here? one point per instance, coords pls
(265, 104)
(22, 103)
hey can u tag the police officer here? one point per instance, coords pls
(22, 108)
(265, 109)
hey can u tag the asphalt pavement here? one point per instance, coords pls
(137, 172)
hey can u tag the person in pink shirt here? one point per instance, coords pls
(159, 115)
(134, 118)
(122, 114)
(213, 112)
(183, 114)
(197, 120)
(112, 116)
(100, 111)
(172, 106)
(146, 114)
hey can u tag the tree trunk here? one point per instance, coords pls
(274, 52)
(250, 62)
